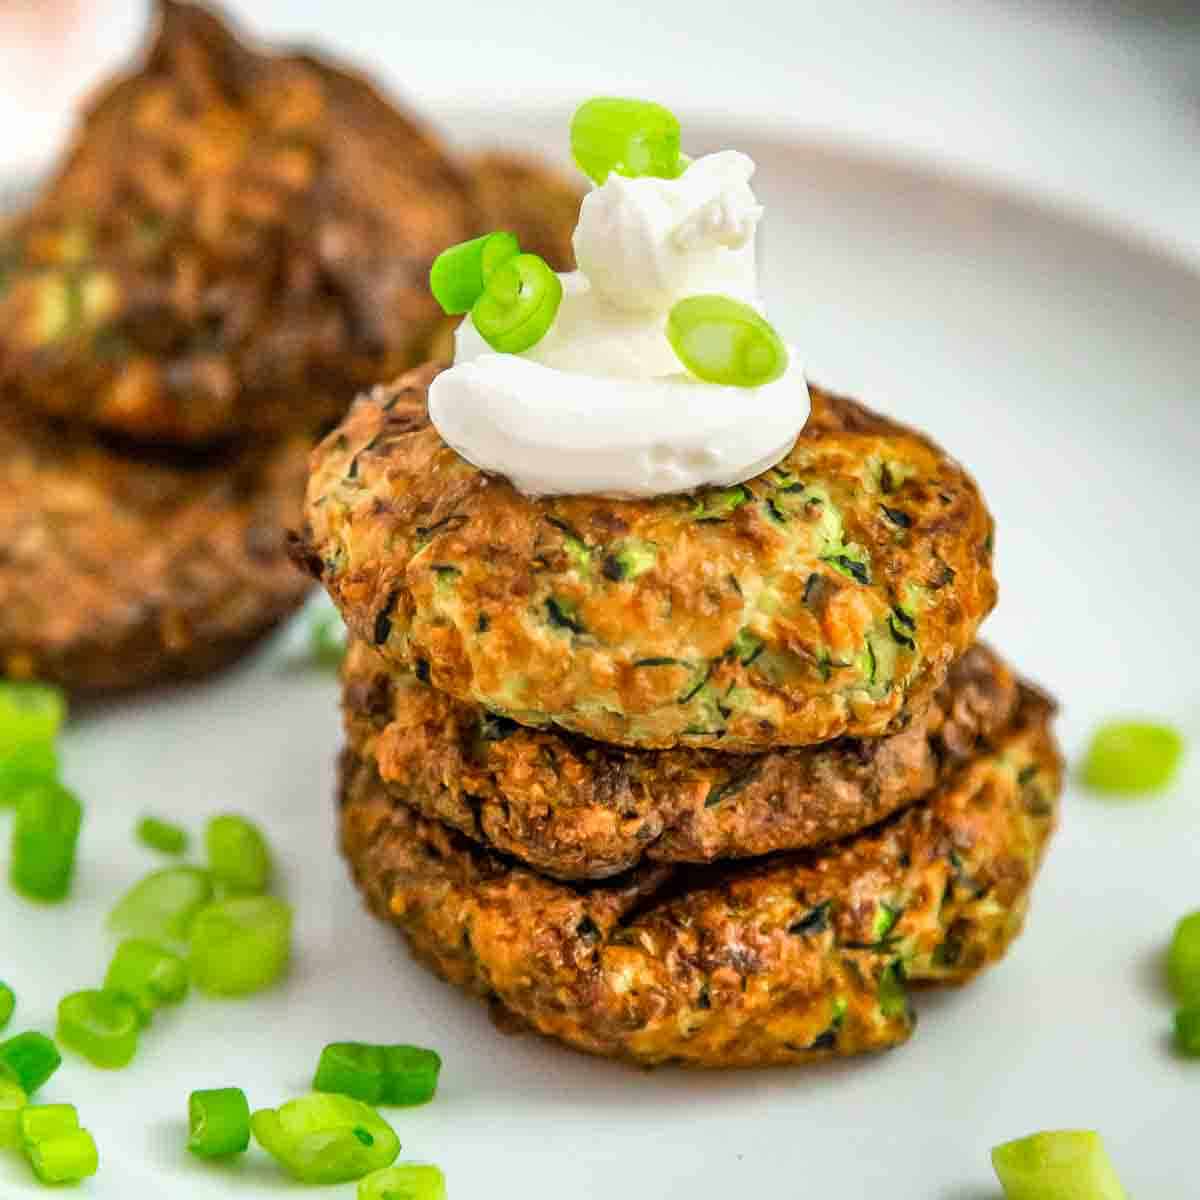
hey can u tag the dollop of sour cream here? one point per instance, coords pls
(602, 405)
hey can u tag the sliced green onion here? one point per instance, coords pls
(45, 834)
(31, 714)
(402, 1075)
(1132, 757)
(630, 137)
(8, 1002)
(65, 1159)
(1187, 1031)
(26, 767)
(12, 1101)
(41, 1121)
(164, 836)
(1069, 1165)
(327, 639)
(460, 274)
(237, 855)
(101, 1026)
(147, 976)
(241, 945)
(721, 340)
(408, 1181)
(162, 906)
(1183, 960)
(29, 1059)
(518, 305)
(326, 1138)
(218, 1122)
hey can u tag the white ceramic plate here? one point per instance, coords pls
(1062, 365)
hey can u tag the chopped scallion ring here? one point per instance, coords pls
(31, 714)
(406, 1181)
(65, 1159)
(1187, 1031)
(26, 767)
(146, 975)
(326, 1138)
(460, 274)
(1183, 960)
(241, 945)
(518, 305)
(1132, 757)
(401, 1075)
(161, 906)
(721, 340)
(164, 836)
(630, 137)
(101, 1026)
(41, 1121)
(29, 1059)
(237, 855)
(1053, 1166)
(8, 1002)
(12, 1102)
(218, 1122)
(44, 838)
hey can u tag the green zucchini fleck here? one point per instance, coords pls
(495, 728)
(483, 623)
(446, 576)
(893, 996)
(845, 562)
(563, 614)
(576, 548)
(717, 505)
(815, 921)
(885, 920)
(776, 513)
(901, 626)
(629, 560)
(383, 619)
(746, 647)
(897, 516)
(659, 662)
(734, 783)
(695, 687)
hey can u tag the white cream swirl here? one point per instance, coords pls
(601, 405)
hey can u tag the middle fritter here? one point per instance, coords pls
(826, 597)
(578, 809)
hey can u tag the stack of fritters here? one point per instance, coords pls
(701, 778)
(235, 242)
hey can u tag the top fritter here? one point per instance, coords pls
(826, 596)
(237, 241)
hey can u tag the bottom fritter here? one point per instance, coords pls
(791, 959)
(120, 570)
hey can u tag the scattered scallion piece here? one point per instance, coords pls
(1187, 1031)
(218, 1122)
(1068, 1165)
(402, 1075)
(163, 836)
(147, 976)
(241, 945)
(326, 1138)
(41, 1121)
(162, 906)
(1183, 960)
(327, 639)
(26, 767)
(31, 714)
(518, 305)
(65, 1159)
(460, 274)
(44, 838)
(101, 1026)
(237, 855)
(630, 137)
(8, 1002)
(29, 1059)
(12, 1101)
(721, 340)
(407, 1181)
(1132, 757)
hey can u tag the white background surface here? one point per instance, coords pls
(1093, 103)
(1062, 367)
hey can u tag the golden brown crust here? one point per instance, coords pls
(790, 959)
(118, 570)
(236, 241)
(578, 809)
(827, 597)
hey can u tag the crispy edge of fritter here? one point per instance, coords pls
(577, 809)
(789, 960)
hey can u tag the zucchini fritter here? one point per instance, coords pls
(826, 597)
(236, 241)
(578, 809)
(787, 960)
(119, 570)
